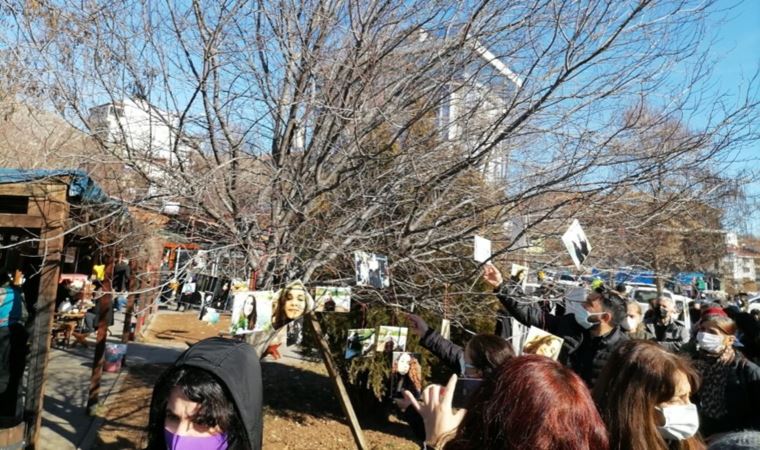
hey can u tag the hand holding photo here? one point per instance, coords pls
(482, 249)
(540, 342)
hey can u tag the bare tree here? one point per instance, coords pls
(296, 132)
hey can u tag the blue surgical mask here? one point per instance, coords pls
(582, 315)
(177, 442)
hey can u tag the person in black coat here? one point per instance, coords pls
(729, 396)
(670, 333)
(478, 359)
(591, 332)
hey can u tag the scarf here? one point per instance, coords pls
(712, 395)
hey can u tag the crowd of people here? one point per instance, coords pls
(623, 380)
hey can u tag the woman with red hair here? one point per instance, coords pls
(530, 402)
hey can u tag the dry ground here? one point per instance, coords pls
(300, 407)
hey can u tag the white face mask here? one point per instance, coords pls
(630, 323)
(582, 315)
(681, 421)
(711, 343)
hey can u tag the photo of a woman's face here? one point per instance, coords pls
(248, 306)
(295, 303)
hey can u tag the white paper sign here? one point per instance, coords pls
(576, 243)
(446, 328)
(482, 249)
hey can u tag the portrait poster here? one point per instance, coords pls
(371, 270)
(391, 339)
(360, 342)
(295, 333)
(406, 374)
(251, 311)
(540, 342)
(333, 299)
(264, 302)
(481, 249)
(291, 303)
(522, 271)
(242, 300)
(576, 243)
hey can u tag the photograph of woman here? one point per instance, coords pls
(293, 302)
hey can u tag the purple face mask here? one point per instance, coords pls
(177, 442)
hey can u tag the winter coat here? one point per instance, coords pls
(237, 366)
(444, 349)
(742, 398)
(672, 336)
(585, 354)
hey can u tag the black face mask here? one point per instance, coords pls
(663, 313)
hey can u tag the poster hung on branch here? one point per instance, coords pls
(519, 274)
(406, 374)
(391, 339)
(371, 270)
(360, 342)
(292, 302)
(446, 328)
(519, 335)
(576, 243)
(295, 333)
(251, 311)
(333, 299)
(540, 342)
(481, 249)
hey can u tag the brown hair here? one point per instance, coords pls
(639, 376)
(724, 324)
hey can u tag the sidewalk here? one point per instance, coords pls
(65, 422)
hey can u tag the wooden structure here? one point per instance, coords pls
(38, 202)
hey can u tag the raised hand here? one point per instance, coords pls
(417, 324)
(436, 411)
(492, 276)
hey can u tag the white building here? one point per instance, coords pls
(475, 103)
(148, 132)
(145, 136)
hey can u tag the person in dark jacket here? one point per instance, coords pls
(211, 398)
(478, 359)
(481, 355)
(591, 332)
(670, 333)
(730, 392)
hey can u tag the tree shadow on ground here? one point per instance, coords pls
(295, 394)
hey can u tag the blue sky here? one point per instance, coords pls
(737, 50)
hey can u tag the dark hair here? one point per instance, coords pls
(616, 305)
(200, 386)
(639, 376)
(531, 402)
(488, 351)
